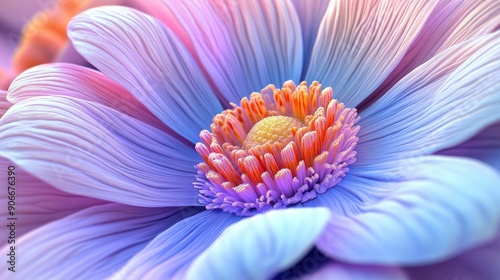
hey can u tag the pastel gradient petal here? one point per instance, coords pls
(451, 23)
(91, 244)
(441, 206)
(145, 57)
(478, 263)
(261, 246)
(428, 110)
(359, 43)
(85, 148)
(344, 271)
(69, 80)
(243, 45)
(37, 203)
(169, 255)
(310, 14)
(4, 104)
(356, 191)
(484, 146)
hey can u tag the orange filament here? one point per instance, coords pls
(278, 148)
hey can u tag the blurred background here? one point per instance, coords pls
(13, 16)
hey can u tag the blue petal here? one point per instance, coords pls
(169, 255)
(85, 148)
(485, 146)
(360, 42)
(441, 206)
(311, 15)
(244, 45)
(145, 57)
(261, 246)
(91, 244)
(353, 193)
(440, 104)
(479, 263)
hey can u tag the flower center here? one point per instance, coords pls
(272, 130)
(278, 149)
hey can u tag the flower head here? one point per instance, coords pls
(280, 148)
(370, 178)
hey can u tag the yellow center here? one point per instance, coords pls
(274, 129)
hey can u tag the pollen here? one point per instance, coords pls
(279, 148)
(272, 130)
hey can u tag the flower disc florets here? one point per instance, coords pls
(280, 148)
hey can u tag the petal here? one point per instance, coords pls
(479, 263)
(170, 253)
(360, 42)
(37, 203)
(439, 105)
(310, 14)
(485, 146)
(307, 266)
(85, 148)
(138, 52)
(433, 214)
(450, 23)
(61, 79)
(352, 194)
(242, 54)
(261, 246)
(344, 271)
(470, 19)
(4, 104)
(91, 244)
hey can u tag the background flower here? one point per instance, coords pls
(34, 32)
(393, 209)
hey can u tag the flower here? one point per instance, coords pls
(421, 191)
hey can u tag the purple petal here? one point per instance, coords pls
(356, 191)
(85, 148)
(38, 203)
(485, 146)
(451, 23)
(4, 104)
(91, 244)
(310, 14)
(69, 80)
(441, 206)
(360, 42)
(169, 255)
(439, 105)
(145, 57)
(243, 45)
(261, 246)
(479, 263)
